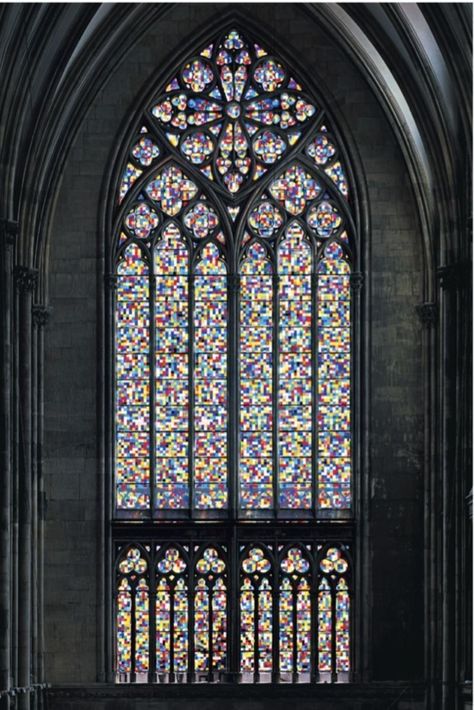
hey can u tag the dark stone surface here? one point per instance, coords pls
(394, 280)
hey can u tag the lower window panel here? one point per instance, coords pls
(255, 612)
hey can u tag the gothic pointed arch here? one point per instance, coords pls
(234, 239)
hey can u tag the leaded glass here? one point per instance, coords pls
(295, 614)
(172, 612)
(295, 386)
(256, 386)
(334, 384)
(210, 613)
(132, 615)
(237, 103)
(232, 261)
(256, 618)
(333, 614)
(132, 338)
(210, 383)
(171, 264)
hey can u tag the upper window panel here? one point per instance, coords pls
(233, 253)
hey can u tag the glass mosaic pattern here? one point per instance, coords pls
(172, 613)
(132, 611)
(256, 386)
(171, 259)
(256, 613)
(202, 610)
(295, 613)
(210, 380)
(295, 410)
(210, 613)
(233, 319)
(334, 383)
(132, 411)
(234, 112)
(234, 103)
(325, 623)
(333, 613)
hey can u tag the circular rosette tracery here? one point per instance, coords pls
(201, 220)
(251, 108)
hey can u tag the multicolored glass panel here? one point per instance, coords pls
(295, 406)
(298, 601)
(236, 104)
(210, 380)
(295, 614)
(256, 613)
(210, 614)
(334, 380)
(132, 373)
(132, 613)
(172, 613)
(171, 267)
(256, 385)
(333, 614)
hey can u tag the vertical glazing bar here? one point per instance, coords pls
(294, 620)
(314, 618)
(232, 395)
(210, 589)
(256, 675)
(276, 614)
(152, 374)
(152, 618)
(133, 633)
(234, 610)
(191, 401)
(275, 393)
(333, 634)
(314, 360)
(191, 602)
(172, 675)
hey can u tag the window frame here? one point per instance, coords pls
(343, 528)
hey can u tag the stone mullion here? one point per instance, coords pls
(233, 468)
(34, 501)
(8, 232)
(26, 281)
(359, 618)
(40, 317)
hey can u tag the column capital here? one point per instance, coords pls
(427, 313)
(357, 279)
(41, 315)
(233, 282)
(110, 281)
(455, 275)
(9, 230)
(26, 279)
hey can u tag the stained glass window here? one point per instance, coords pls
(173, 611)
(232, 256)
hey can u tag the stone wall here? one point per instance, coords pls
(393, 266)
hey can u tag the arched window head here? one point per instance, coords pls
(233, 247)
(233, 310)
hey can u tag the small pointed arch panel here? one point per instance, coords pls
(233, 252)
(170, 350)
